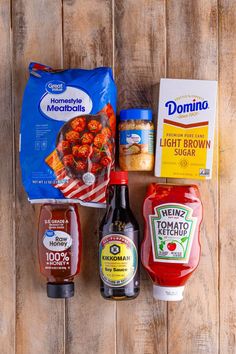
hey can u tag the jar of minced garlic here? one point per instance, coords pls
(136, 140)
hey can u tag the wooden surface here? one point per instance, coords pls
(193, 25)
(143, 40)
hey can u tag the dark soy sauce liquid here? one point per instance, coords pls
(119, 220)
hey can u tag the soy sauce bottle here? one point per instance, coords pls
(119, 243)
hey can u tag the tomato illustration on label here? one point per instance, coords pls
(171, 246)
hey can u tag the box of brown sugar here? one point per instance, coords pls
(185, 130)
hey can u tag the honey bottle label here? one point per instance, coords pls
(57, 243)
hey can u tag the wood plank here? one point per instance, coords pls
(139, 65)
(7, 261)
(227, 107)
(192, 53)
(90, 319)
(39, 320)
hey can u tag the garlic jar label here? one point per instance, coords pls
(172, 230)
(57, 240)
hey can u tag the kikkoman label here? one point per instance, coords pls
(172, 230)
(118, 260)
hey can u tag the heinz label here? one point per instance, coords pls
(172, 230)
(185, 132)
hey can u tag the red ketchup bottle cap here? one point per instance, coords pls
(118, 177)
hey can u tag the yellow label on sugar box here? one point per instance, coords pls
(185, 131)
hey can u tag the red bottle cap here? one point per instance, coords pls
(118, 177)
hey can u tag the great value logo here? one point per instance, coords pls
(193, 106)
(57, 240)
(133, 138)
(55, 87)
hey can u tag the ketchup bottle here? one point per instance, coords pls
(119, 243)
(171, 246)
(59, 248)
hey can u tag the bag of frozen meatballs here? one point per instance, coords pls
(67, 137)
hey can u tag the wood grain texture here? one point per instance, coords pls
(87, 33)
(7, 256)
(39, 320)
(192, 53)
(139, 65)
(90, 319)
(227, 128)
(146, 40)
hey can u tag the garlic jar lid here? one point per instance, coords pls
(136, 114)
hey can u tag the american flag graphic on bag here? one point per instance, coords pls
(73, 188)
